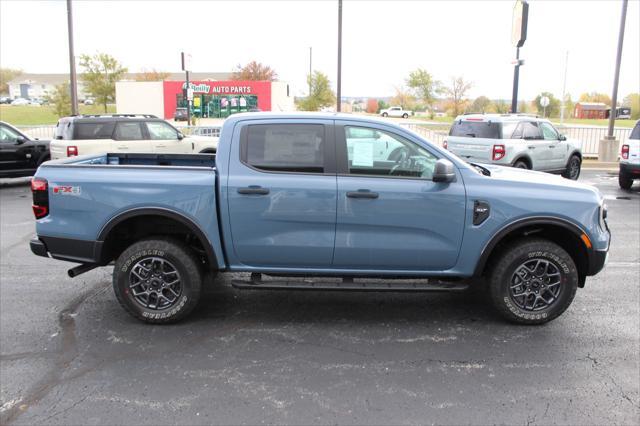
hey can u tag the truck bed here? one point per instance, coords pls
(125, 159)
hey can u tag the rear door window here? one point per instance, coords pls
(129, 131)
(285, 147)
(476, 129)
(93, 130)
(527, 130)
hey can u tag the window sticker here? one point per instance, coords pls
(362, 154)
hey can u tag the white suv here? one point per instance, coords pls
(630, 159)
(517, 140)
(92, 134)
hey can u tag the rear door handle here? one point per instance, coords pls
(253, 190)
(531, 147)
(552, 146)
(362, 193)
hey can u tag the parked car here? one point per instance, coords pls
(91, 134)
(306, 195)
(20, 155)
(5, 100)
(630, 159)
(519, 140)
(20, 101)
(36, 101)
(396, 111)
(89, 101)
(180, 114)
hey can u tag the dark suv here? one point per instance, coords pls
(20, 155)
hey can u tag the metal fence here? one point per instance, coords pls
(590, 136)
(436, 133)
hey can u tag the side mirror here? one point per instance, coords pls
(444, 171)
(180, 136)
(562, 138)
(20, 140)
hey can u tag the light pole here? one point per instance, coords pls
(564, 88)
(518, 37)
(310, 69)
(339, 85)
(72, 62)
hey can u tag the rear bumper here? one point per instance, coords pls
(630, 169)
(71, 250)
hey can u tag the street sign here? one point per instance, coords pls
(519, 23)
(185, 58)
(189, 94)
(544, 101)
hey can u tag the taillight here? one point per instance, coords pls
(72, 151)
(498, 152)
(445, 144)
(40, 192)
(625, 152)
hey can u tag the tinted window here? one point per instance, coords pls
(378, 153)
(527, 130)
(93, 130)
(161, 131)
(128, 131)
(285, 147)
(476, 129)
(635, 133)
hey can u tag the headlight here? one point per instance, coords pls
(603, 217)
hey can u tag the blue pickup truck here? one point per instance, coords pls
(331, 196)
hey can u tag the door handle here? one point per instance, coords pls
(123, 147)
(362, 193)
(161, 146)
(531, 147)
(253, 190)
(552, 146)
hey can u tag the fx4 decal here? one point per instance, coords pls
(66, 190)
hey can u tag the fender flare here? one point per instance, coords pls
(162, 212)
(519, 224)
(523, 157)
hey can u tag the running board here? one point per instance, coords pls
(347, 284)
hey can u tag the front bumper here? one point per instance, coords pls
(599, 259)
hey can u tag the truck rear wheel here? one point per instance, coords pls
(624, 180)
(533, 281)
(158, 281)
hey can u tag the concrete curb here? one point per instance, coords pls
(13, 182)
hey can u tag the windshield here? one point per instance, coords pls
(476, 129)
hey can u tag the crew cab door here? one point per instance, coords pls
(13, 152)
(281, 194)
(165, 138)
(391, 215)
(129, 136)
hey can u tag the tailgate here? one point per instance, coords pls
(472, 149)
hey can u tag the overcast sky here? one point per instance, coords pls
(382, 40)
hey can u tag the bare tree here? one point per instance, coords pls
(457, 91)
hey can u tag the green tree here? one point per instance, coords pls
(381, 105)
(254, 71)
(404, 98)
(524, 107)
(424, 87)
(595, 97)
(480, 104)
(632, 100)
(552, 110)
(152, 75)
(500, 106)
(6, 75)
(100, 73)
(321, 94)
(61, 100)
(457, 91)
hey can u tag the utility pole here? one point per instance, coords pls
(616, 77)
(310, 69)
(339, 92)
(518, 37)
(72, 62)
(608, 148)
(564, 87)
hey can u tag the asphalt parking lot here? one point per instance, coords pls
(70, 355)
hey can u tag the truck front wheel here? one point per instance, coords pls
(533, 281)
(158, 281)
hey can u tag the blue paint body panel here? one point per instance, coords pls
(306, 224)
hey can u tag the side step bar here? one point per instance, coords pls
(347, 284)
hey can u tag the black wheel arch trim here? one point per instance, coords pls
(523, 157)
(167, 213)
(521, 223)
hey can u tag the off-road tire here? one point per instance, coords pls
(180, 257)
(570, 172)
(510, 259)
(624, 180)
